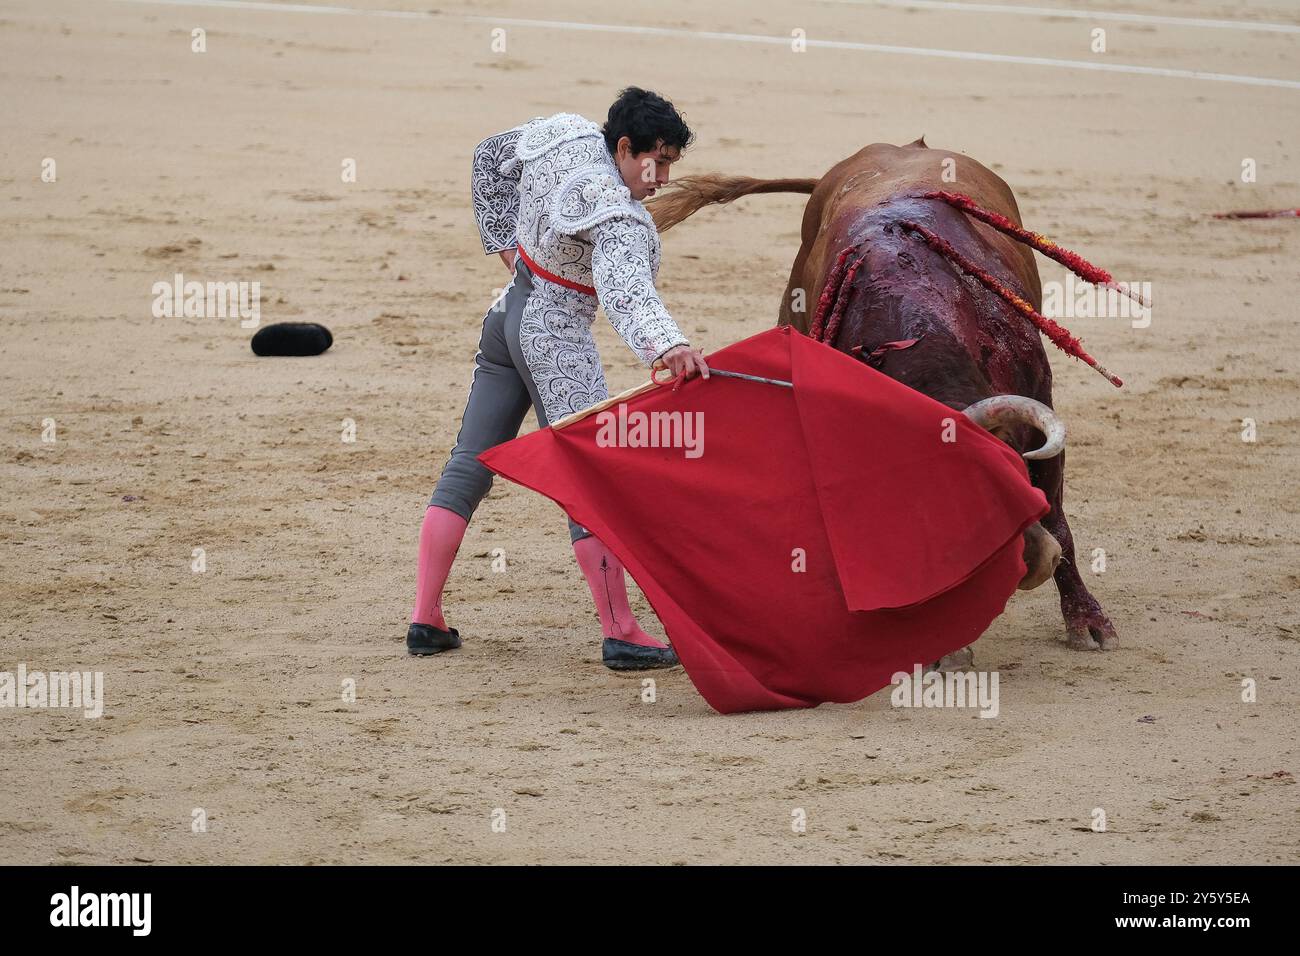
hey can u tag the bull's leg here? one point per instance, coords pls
(1086, 625)
(963, 657)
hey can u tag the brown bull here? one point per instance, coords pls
(867, 282)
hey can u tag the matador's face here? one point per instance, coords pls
(643, 173)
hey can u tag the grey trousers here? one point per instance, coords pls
(499, 395)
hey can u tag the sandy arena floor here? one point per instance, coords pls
(224, 688)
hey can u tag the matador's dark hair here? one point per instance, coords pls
(645, 118)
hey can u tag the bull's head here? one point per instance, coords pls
(1008, 417)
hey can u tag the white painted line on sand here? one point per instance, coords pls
(1093, 65)
(1016, 9)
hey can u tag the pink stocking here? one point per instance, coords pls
(440, 537)
(604, 574)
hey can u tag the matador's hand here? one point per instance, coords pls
(683, 361)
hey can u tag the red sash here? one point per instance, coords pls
(552, 277)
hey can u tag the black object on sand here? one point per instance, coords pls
(292, 338)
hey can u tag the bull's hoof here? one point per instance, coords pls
(955, 661)
(1090, 632)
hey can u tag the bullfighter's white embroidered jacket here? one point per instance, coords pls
(552, 186)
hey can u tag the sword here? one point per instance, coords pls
(654, 380)
(725, 374)
(751, 378)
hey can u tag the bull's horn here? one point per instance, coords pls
(1017, 409)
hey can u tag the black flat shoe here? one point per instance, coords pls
(625, 656)
(424, 639)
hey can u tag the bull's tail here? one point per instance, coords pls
(692, 193)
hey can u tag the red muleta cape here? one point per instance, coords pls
(910, 545)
